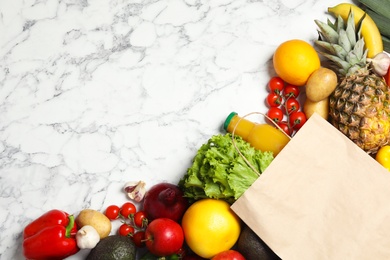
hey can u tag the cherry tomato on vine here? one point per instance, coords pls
(139, 239)
(284, 126)
(297, 119)
(275, 114)
(291, 91)
(112, 212)
(274, 99)
(292, 105)
(140, 219)
(126, 230)
(276, 84)
(128, 209)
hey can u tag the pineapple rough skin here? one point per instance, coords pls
(360, 108)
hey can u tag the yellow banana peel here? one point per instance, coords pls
(370, 31)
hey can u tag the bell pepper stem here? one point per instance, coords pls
(69, 226)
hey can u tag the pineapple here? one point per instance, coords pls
(360, 105)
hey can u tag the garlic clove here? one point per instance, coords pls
(380, 63)
(135, 190)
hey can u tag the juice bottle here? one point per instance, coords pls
(263, 137)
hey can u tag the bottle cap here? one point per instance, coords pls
(228, 119)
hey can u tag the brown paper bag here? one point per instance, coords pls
(321, 198)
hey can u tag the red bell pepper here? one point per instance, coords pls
(51, 236)
(50, 218)
(387, 77)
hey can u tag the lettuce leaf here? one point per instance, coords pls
(218, 171)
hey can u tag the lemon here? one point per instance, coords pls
(383, 156)
(295, 60)
(210, 227)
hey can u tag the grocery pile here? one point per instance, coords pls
(193, 219)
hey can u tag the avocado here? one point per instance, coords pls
(251, 246)
(113, 247)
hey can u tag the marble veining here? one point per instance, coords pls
(96, 93)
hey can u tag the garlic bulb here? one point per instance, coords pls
(87, 237)
(380, 63)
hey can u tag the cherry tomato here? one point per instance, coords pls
(128, 209)
(275, 114)
(182, 252)
(284, 126)
(292, 104)
(276, 85)
(291, 91)
(112, 212)
(297, 119)
(126, 230)
(274, 99)
(139, 239)
(140, 219)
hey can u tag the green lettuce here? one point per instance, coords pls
(219, 171)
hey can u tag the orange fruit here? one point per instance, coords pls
(210, 227)
(295, 60)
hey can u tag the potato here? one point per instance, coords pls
(321, 84)
(96, 219)
(321, 108)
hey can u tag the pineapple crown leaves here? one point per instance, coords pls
(343, 44)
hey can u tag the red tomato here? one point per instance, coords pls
(139, 239)
(291, 91)
(164, 237)
(112, 212)
(275, 114)
(276, 85)
(128, 209)
(284, 126)
(229, 255)
(140, 219)
(387, 77)
(292, 104)
(297, 119)
(274, 99)
(126, 230)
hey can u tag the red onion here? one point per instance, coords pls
(165, 200)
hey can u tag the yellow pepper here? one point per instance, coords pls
(383, 156)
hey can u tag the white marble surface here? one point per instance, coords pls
(96, 93)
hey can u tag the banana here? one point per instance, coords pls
(370, 31)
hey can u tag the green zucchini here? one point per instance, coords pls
(381, 7)
(386, 44)
(382, 22)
